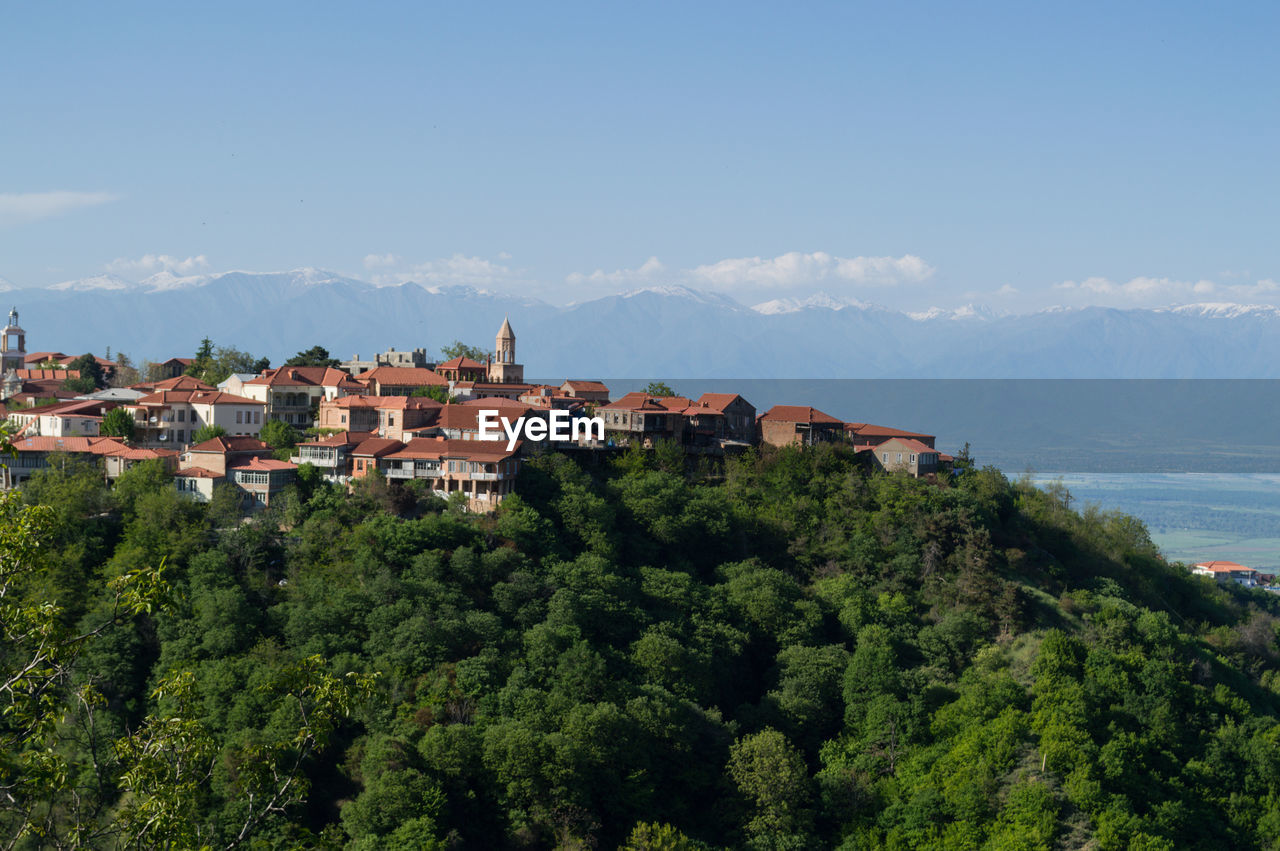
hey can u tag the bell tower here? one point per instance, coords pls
(13, 345)
(504, 369)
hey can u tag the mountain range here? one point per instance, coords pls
(661, 331)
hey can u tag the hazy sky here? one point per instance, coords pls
(1018, 155)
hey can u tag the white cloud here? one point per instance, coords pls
(19, 207)
(381, 261)
(149, 264)
(796, 269)
(648, 271)
(1147, 291)
(456, 270)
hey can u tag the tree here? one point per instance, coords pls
(770, 773)
(314, 356)
(117, 423)
(459, 349)
(658, 388)
(208, 432)
(125, 374)
(91, 377)
(434, 391)
(280, 436)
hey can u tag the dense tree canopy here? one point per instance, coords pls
(459, 349)
(314, 356)
(784, 651)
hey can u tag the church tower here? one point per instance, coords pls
(504, 369)
(13, 345)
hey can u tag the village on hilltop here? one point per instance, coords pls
(399, 414)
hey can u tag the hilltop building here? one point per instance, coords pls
(416, 358)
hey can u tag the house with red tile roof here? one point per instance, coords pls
(173, 367)
(485, 471)
(867, 434)
(738, 421)
(399, 380)
(73, 418)
(589, 391)
(1227, 571)
(197, 483)
(332, 454)
(904, 454)
(462, 369)
(171, 417)
(179, 382)
(37, 453)
(384, 416)
(220, 453)
(798, 425)
(261, 479)
(293, 394)
(644, 418)
(364, 455)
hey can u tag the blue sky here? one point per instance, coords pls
(1015, 155)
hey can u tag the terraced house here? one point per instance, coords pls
(171, 417)
(293, 394)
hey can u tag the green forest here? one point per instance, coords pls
(783, 650)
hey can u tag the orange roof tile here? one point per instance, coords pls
(798, 414)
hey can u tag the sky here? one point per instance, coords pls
(1017, 156)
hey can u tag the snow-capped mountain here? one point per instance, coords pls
(657, 331)
(817, 301)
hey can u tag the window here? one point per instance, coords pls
(913, 457)
(182, 435)
(886, 457)
(344, 419)
(257, 417)
(391, 419)
(899, 457)
(239, 417)
(182, 415)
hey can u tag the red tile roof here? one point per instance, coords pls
(376, 446)
(59, 375)
(95, 445)
(460, 363)
(307, 376)
(198, 473)
(225, 444)
(644, 402)
(909, 444)
(439, 447)
(399, 403)
(1224, 567)
(870, 430)
(195, 397)
(404, 376)
(180, 382)
(342, 438)
(41, 357)
(265, 464)
(718, 401)
(586, 386)
(798, 414)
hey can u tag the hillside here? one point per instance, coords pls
(672, 332)
(791, 652)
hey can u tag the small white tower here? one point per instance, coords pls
(13, 345)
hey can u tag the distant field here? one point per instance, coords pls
(1192, 516)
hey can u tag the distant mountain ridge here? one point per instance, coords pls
(669, 331)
